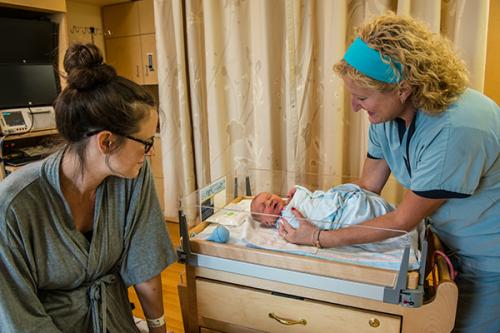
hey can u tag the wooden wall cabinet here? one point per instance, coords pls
(130, 40)
(131, 48)
(44, 5)
(121, 20)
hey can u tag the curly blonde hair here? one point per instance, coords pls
(431, 68)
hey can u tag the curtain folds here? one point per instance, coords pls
(248, 84)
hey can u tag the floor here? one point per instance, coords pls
(170, 279)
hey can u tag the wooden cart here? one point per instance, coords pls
(230, 288)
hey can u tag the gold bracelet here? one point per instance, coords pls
(317, 242)
(157, 322)
(313, 238)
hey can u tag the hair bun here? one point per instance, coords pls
(85, 68)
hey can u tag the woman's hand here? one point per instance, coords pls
(302, 235)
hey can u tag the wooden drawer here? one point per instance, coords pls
(250, 308)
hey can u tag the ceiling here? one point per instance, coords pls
(101, 3)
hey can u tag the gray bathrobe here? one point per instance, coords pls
(52, 279)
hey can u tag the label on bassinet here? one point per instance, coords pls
(231, 215)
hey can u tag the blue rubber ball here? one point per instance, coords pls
(219, 235)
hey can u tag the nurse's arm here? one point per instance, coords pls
(405, 217)
(374, 175)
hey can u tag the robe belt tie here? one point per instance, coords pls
(97, 295)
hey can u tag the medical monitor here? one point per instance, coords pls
(26, 85)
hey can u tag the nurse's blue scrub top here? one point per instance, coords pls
(453, 155)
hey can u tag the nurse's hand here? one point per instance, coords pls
(302, 235)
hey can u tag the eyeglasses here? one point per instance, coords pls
(148, 143)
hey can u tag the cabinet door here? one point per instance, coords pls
(149, 64)
(124, 54)
(121, 20)
(146, 17)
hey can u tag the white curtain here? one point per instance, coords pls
(248, 84)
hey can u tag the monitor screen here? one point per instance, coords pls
(13, 118)
(23, 85)
(28, 41)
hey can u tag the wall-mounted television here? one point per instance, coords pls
(27, 59)
(24, 85)
(28, 41)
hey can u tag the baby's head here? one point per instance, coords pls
(266, 208)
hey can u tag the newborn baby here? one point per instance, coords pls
(340, 206)
(343, 204)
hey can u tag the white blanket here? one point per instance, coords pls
(247, 232)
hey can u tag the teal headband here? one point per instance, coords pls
(369, 62)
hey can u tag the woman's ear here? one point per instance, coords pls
(404, 91)
(105, 142)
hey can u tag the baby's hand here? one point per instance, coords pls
(268, 224)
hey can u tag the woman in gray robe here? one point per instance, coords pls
(79, 227)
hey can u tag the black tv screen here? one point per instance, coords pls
(28, 41)
(24, 85)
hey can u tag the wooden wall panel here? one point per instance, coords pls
(492, 76)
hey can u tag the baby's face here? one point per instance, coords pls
(269, 204)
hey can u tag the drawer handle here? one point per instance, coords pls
(285, 321)
(374, 322)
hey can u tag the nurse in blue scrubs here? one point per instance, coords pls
(441, 141)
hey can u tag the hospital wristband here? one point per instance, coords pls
(157, 322)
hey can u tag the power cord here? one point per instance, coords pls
(32, 120)
(2, 139)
